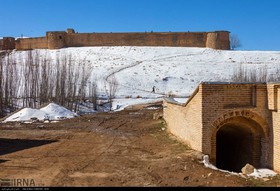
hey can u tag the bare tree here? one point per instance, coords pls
(251, 75)
(35, 74)
(93, 94)
(75, 88)
(27, 73)
(112, 89)
(234, 42)
(14, 83)
(70, 82)
(6, 81)
(45, 80)
(36, 81)
(1, 87)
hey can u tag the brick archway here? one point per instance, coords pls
(239, 137)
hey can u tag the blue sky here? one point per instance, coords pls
(255, 22)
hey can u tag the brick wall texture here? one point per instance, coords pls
(215, 105)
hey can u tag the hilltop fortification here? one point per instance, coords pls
(69, 38)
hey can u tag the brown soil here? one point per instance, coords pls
(127, 148)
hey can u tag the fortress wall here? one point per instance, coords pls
(62, 39)
(56, 40)
(7, 43)
(223, 41)
(1, 44)
(218, 40)
(31, 43)
(137, 39)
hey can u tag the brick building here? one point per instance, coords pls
(233, 123)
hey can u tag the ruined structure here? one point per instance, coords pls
(69, 38)
(233, 123)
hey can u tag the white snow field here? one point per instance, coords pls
(172, 70)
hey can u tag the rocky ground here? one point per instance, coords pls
(127, 148)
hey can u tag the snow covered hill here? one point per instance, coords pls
(172, 70)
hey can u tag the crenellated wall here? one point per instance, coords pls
(62, 39)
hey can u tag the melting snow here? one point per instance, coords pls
(50, 112)
(120, 104)
(181, 100)
(262, 173)
(258, 173)
(55, 112)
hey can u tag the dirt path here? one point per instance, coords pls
(127, 148)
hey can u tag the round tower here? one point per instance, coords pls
(218, 40)
(56, 40)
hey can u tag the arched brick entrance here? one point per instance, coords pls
(239, 139)
(246, 114)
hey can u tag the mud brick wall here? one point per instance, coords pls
(62, 39)
(7, 43)
(31, 43)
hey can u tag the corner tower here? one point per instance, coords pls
(218, 40)
(8, 43)
(56, 40)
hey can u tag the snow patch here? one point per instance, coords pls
(262, 173)
(50, 112)
(207, 164)
(26, 114)
(258, 173)
(181, 100)
(57, 112)
(121, 104)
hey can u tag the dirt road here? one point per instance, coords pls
(127, 148)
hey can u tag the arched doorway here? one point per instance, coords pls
(238, 142)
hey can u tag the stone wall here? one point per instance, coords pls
(218, 40)
(31, 43)
(7, 43)
(56, 40)
(137, 39)
(1, 44)
(214, 105)
(62, 39)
